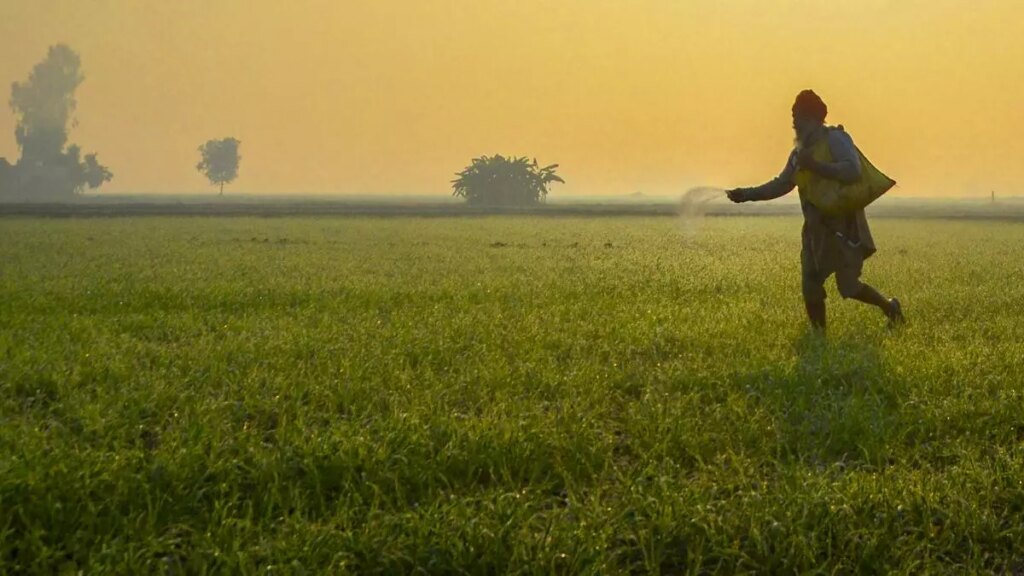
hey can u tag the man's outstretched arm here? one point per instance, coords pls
(779, 186)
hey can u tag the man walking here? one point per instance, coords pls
(832, 244)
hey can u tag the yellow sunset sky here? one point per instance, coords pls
(394, 96)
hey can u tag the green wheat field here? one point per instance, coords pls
(503, 394)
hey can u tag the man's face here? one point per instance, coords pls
(803, 125)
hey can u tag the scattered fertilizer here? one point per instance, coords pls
(694, 205)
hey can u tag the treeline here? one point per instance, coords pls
(49, 169)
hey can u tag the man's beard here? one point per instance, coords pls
(802, 138)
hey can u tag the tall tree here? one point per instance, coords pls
(219, 161)
(44, 106)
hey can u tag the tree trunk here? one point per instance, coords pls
(221, 188)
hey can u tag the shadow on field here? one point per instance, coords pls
(836, 406)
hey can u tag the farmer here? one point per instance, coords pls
(835, 244)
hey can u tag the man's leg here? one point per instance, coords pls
(816, 313)
(813, 285)
(869, 295)
(851, 287)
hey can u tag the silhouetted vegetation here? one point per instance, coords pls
(44, 105)
(220, 161)
(501, 181)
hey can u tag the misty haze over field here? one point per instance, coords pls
(393, 97)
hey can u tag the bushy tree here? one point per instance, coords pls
(87, 171)
(219, 161)
(500, 181)
(44, 106)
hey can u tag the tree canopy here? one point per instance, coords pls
(219, 161)
(500, 181)
(44, 106)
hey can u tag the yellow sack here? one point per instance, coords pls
(834, 197)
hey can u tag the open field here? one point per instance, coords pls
(503, 394)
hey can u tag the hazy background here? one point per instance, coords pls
(393, 97)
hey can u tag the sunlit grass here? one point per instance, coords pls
(503, 395)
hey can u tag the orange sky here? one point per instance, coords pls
(393, 96)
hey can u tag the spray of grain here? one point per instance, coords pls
(694, 205)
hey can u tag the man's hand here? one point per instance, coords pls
(736, 195)
(805, 159)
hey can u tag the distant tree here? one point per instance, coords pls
(219, 161)
(501, 181)
(86, 172)
(44, 106)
